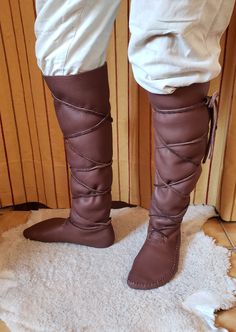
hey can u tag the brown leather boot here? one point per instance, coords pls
(181, 125)
(83, 111)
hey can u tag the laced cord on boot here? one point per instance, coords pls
(72, 150)
(212, 106)
(160, 229)
(91, 226)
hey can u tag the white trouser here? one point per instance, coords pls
(173, 43)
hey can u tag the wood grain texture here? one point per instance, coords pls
(32, 156)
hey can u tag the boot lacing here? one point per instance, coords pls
(96, 164)
(212, 105)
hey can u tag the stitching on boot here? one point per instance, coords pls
(165, 277)
(190, 108)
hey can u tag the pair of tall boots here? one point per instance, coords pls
(182, 141)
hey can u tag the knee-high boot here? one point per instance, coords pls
(83, 111)
(182, 142)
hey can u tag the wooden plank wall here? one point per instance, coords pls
(32, 157)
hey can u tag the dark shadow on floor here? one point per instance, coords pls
(36, 205)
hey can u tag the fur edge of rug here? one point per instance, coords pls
(229, 300)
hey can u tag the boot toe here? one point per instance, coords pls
(139, 280)
(154, 266)
(28, 232)
(44, 231)
(61, 230)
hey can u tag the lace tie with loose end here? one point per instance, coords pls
(213, 107)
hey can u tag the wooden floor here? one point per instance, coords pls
(226, 319)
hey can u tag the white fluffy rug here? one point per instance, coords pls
(47, 287)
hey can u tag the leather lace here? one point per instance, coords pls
(98, 225)
(212, 106)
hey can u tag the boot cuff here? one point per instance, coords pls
(181, 97)
(88, 89)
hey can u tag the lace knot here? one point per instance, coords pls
(156, 232)
(212, 105)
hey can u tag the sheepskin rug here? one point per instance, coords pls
(61, 287)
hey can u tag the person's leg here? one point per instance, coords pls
(178, 44)
(174, 54)
(72, 36)
(71, 44)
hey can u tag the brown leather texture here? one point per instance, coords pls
(181, 130)
(82, 108)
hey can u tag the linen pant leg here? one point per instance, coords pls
(176, 43)
(72, 36)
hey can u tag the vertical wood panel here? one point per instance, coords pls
(145, 146)
(134, 169)
(111, 58)
(227, 190)
(214, 172)
(226, 197)
(40, 106)
(6, 194)
(122, 99)
(8, 118)
(32, 154)
(229, 174)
